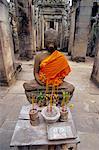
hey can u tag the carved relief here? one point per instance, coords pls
(50, 1)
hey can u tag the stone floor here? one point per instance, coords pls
(85, 100)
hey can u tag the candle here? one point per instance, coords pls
(55, 96)
(57, 93)
(53, 93)
(67, 95)
(57, 89)
(33, 102)
(47, 95)
(46, 87)
(54, 90)
(51, 103)
(63, 102)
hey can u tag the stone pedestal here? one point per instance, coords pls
(7, 74)
(32, 88)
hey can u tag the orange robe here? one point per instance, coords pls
(54, 68)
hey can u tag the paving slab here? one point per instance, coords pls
(96, 123)
(14, 98)
(5, 138)
(84, 122)
(14, 112)
(84, 107)
(88, 141)
(8, 125)
(26, 76)
(17, 87)
(4, 109)
(3, 91)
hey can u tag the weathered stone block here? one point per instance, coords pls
(6, 47)
(79, 52)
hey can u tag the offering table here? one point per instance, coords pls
(28, 137)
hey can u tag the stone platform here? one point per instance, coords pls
(27, 136)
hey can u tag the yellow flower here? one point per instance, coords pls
(71, 106)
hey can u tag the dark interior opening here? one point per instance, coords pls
(91, 48)
(94, 9)
(52, 24)
(94, 12)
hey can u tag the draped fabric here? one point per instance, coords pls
(54, 68)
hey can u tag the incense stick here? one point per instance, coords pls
(33, 102)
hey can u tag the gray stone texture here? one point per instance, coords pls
(52, 12)
(79, 43)
(6, 46)
(24, 21)
(72, 30)
(95, 71)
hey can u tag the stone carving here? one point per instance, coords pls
(51, 1)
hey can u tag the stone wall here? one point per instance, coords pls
(6, 47)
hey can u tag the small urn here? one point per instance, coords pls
(64, 114)
(34, 118)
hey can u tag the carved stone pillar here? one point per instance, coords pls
(33, 29)
(42, 32)
(83, 13)
(95, 71)
(61, 38)
(57, 26)
(25, 28)
(37, 30)
(72, 30)
(39, 33)
(47, 25)
(7, 71)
